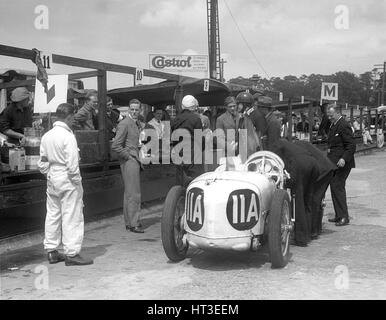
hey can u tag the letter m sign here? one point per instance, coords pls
(329, 91)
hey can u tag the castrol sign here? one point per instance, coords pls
(169, 62)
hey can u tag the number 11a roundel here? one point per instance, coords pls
(195, 212)
(243, 209)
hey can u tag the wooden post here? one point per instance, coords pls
(290, 120)
(376, 121)
(102, 129)
(310, 120)
(352, 114)
(361, 118)
(179, 93)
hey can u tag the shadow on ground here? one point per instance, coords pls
(228, 260)
(36, 254)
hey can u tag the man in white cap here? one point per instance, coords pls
(190, 121)
(17, 116)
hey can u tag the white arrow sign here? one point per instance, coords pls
(57, 93)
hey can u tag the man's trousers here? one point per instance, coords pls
(64, 219)
(132, 194)
(338, 192)
(320, 189)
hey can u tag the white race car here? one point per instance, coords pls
(234, 207)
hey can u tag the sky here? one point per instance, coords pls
(287, 37)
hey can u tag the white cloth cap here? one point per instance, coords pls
(189, 102)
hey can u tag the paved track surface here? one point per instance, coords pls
(345, 263)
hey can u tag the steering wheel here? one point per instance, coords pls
(267, 163)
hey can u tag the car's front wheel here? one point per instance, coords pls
(279, 229)
(172, 231)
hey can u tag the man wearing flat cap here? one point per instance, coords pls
(17, 116)
(229, 120)
(272, 133)
(86, 117)
(257, 116)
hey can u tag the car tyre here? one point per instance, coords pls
(171, 231)
(279, 228)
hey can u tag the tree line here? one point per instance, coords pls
(354, 89)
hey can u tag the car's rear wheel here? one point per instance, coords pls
(279, 229)
(172, 231)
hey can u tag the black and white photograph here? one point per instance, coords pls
(192, 155)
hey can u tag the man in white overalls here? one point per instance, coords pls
(59, 161)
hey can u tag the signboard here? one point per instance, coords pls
(243, 209)
(46, 60)
(329, 91)
(206, 85)
(171, 62)
(138, 76)
(57, 94)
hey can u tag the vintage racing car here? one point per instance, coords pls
(237, 207)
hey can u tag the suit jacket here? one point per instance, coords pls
(85, 117)
(273, 130)
(189, 121)
(325, 166)
(126, 140)
(298, 161)
(341, 143)
(225, 122)
(252, 142)
(258, 120)
(111, 123)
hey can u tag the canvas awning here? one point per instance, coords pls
(164, 93)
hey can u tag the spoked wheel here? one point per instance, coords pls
(172, 231)
(279, 229)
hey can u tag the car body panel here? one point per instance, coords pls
(231, 220)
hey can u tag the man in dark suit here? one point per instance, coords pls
(325, 174)
(341, 149)
(325, 123)
(304, 171)
(186, 122)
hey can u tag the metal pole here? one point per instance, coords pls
(383, 83)
(212, 20)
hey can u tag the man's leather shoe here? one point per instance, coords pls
(342, 222)
(77, 261)
(334, 220)
(136, 230)
(314, 236)
(300, 244)
(55, 257)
